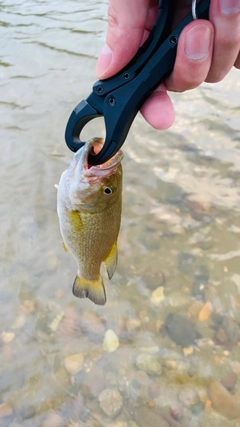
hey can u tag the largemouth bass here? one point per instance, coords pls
(89, 209)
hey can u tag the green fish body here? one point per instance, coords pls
(89, 211)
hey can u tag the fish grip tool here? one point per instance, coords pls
(119, 98)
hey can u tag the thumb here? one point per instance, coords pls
(126, 25)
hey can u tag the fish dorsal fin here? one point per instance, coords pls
(111, 260)
(75, 220)
(92, 289)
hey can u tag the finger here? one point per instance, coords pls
(237, 62)
(225, 16)
(158, 110)
(128, 25)
(194, 54)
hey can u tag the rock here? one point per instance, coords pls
(74, 363)
(111, 341)
(181, 330)
(229, 381)
(223, 402)
(149, 363)
(111, 402)
(157, 296)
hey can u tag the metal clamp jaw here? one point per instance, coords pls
(119, 98)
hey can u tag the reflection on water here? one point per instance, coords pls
(165, 349)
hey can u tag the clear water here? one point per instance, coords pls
(180, 232)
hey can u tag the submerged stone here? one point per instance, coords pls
(149, 363)
(111, 402)
(181, 330)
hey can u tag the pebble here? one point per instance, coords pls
(181, 330)
(94, 382)
(78, 409)
(7, 337)
(26, 412)
(154, 390)
(92, 326)
(187, 351)
(146, 417)
(153, 279)
(205, 312)
(176, 411)
(223, 402)
(157, 296)
(111, 402)
(53, 420)
(229, 380)
(19, 322)
(5, 410)
(132, 324)
(119, 424)
(74, 363)
(111, 341)
(54, 324)
(186, 263)
(188, 397)
(29, 305)
(149, 363)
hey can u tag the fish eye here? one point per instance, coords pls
(107, 191)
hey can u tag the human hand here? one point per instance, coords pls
(206, 51)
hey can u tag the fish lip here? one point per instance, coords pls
(104, 169)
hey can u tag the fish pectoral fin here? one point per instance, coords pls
(75, 220)
(92, 289)
(111, 260)
(65, 247)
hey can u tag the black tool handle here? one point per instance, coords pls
(121, 106)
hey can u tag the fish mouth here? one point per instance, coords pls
(93, 147)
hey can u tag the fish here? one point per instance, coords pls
(89, 207)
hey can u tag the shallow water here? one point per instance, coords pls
(179, 250)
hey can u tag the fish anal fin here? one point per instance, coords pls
(75, 220)
(111, 260)
(65, 247)
(92, 289)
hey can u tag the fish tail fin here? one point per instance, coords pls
(92, 289)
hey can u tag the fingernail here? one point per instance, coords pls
(197, 42)
(104, 61)
(229, 7)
